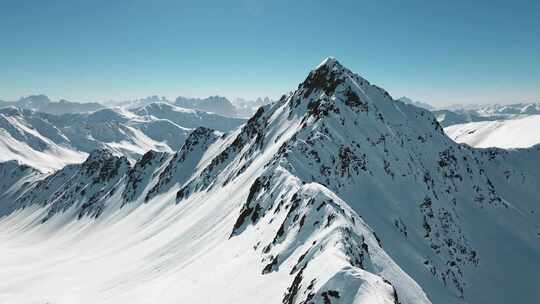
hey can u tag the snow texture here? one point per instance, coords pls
(49, 142)
(519, 132)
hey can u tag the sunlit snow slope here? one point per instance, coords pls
(336, 193)
(520, 132)
(49, 142)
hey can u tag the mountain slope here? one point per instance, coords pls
(42, 149)
(189, 118)
(335, 193)
(520, 132)
(49, 142)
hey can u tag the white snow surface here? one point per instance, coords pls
(49, 142)
(335, 193)
(519, 132)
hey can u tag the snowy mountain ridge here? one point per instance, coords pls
(336, 193)
(48, 142)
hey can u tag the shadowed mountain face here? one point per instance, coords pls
(336, 193)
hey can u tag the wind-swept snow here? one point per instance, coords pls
(520, 132)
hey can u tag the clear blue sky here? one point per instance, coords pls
(446, 52)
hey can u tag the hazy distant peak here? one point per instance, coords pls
(216, 104)
(419, 104)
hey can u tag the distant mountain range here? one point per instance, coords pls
(240, 107)
(216, 104)
(47, 141)
(246, 108)
(449, 118)
(41, 103)
(419, 104)
(498, 109)
(503, 126)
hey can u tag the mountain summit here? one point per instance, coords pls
(336, 193)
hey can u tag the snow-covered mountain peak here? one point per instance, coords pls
(163, 106)
(104, 165)
(333, 194)
(106, 115)
(201, 133)
(332, 69)
(35, 100)
(332, 91)
(99, 155)
(339, 84)
(326, 76)
(328, 61)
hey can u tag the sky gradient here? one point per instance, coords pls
(441, 53)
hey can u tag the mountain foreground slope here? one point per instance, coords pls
(336, 193)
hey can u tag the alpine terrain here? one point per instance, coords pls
(49, 142)
(42, 103)
(516, 132)
(335, 193)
